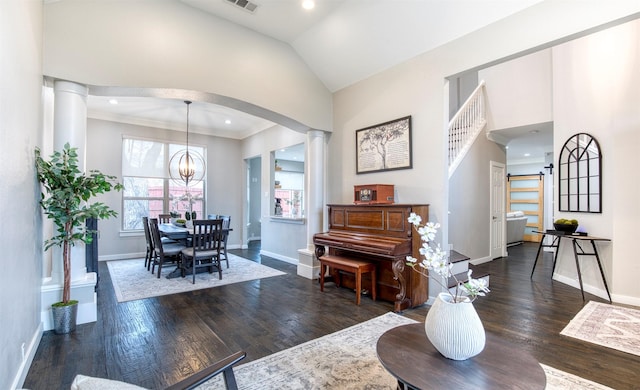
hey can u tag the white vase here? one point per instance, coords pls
(454, 329)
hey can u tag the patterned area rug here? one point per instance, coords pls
(347, 360)
(607, 325)
(132, 281)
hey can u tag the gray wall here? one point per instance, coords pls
(223, 192)
(470, 201)
(21, 238)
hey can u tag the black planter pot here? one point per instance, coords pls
(64, 318)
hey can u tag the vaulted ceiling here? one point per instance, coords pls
(342, 42)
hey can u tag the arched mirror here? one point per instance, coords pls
(580, 175)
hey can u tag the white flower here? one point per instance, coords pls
(414, 219)
(436, 260)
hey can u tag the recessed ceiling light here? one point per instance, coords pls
(113, 101)
(527, 154)
(308, 4)
(228, 121)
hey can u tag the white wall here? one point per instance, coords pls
(167, 44)
(597, 91)
(21, 238)
(519, 91)
(417, 88)
(223, 193)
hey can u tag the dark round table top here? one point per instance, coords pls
(408, 355)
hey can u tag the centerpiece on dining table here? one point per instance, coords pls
(452, 323)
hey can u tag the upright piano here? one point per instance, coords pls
(379, 234)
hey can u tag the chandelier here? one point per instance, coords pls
(187, 166)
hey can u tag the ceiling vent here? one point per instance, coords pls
(244, 4)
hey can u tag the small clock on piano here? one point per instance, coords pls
(373, 194)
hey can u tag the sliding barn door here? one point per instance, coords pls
(526, 193)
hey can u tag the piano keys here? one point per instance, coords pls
(379, 234)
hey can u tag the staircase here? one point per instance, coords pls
(460, 267)
(465, 126)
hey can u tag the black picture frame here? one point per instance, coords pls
(384, 147)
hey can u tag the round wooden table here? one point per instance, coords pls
(408, 355)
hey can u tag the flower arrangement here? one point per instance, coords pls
(435, 259)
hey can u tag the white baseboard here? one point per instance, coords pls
(122, 256)
(481, 260)
(29, 354)
(597, 291)
(277, 256)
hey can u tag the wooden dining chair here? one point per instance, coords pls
(147, 235)
(164, 218)
(163, 252)
(226, 225)
(206, 243)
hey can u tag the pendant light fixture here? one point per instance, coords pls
(187, 167)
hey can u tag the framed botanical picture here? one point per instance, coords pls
(384, 147)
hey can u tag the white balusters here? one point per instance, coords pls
(465, 126)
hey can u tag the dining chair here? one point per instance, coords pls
(206, 243)
(147, 235)
(226, 225)
(164, 218)
(163, 252)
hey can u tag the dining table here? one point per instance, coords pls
(181, 234)
(174, 232)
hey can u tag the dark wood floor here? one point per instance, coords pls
(156, 342)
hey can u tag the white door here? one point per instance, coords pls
(497, 212)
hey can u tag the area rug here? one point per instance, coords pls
(132, 281)
(347, 360)
(560, 380)
(607, 325)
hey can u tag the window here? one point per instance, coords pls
(148, 189)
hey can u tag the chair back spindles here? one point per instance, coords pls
(206, 243)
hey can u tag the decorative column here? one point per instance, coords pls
(70, 125)
(308, 266)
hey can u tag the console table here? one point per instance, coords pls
(578, 251)
(408, 355)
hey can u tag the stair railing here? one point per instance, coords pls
(465, 126)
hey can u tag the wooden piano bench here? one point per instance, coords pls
(355, 266)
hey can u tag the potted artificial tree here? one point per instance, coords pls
(65, 200)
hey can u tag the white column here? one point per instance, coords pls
(315, 203)
(70, 125)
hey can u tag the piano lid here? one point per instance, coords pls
(364, 243)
